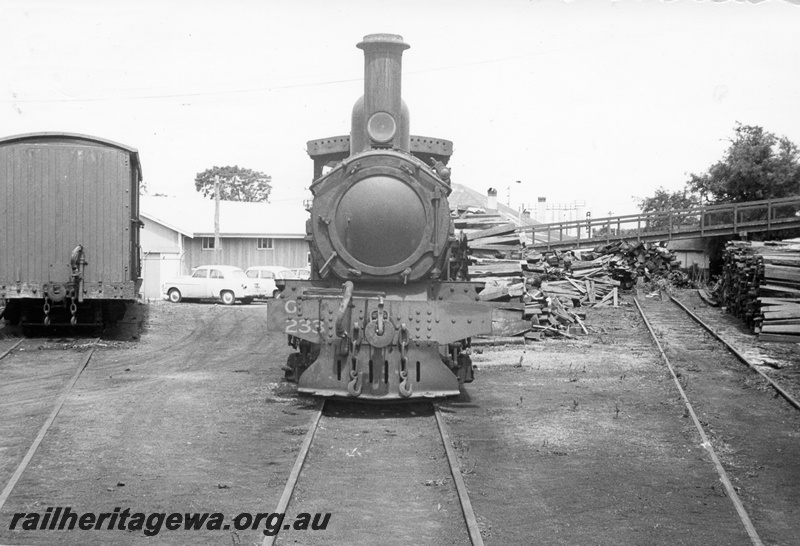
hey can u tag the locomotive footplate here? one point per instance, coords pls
(373, 346)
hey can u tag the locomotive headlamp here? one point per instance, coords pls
(381, 127)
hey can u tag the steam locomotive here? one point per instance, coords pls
(382, 316)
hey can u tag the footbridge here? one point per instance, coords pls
(691, 223)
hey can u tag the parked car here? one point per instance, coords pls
(225, 282)
(302, 272)
(266, 276)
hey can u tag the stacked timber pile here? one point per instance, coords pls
(588, 276)
(497, 239)
(539, 294)
(761, 285)
(499, 251)
(626, 262)
(535, 315)
(490, 235)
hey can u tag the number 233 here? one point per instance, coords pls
(303, 326)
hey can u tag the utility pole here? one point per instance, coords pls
(508, 194)
(216, 219)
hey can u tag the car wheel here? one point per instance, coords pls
(174, 295)
(227, 297)
(276, 293)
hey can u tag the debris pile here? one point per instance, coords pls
(627, 262)
(539, 293)
(572, 273)
(760, 284)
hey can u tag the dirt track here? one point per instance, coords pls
(585, 442)
(190, 418)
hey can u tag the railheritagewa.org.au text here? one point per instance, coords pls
(63, 518)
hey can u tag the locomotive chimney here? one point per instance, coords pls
(381, 121)
(541, 209)
(491, 199)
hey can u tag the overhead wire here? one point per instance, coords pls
(200, 94)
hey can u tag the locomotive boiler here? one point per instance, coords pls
(382, 316)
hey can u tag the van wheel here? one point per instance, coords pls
(227, 297)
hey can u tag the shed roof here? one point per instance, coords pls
(194, 217)
(462, 196)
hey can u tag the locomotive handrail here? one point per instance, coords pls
(347, 295)
(702, 221)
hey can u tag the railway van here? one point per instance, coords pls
(69, 229)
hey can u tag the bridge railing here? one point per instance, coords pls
(679, 223)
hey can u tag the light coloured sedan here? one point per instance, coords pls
(302, 272)
(225, 282)
(265, 277)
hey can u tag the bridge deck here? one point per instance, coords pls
(708, 221)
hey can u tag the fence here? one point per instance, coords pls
(707, 221)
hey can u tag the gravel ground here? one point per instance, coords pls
(183, 409)
(586, 441)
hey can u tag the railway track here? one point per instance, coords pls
(728, 399)
(388, 474)
(26, 393)
(783, 382)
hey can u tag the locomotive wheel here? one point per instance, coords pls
(227, 297)
(174, 295)
(466, 372)
(291, 368)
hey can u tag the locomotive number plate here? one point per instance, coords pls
(304, 326)
(299, 326)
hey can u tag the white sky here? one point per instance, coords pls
(580, 101)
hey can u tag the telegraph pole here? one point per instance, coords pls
(216, 219)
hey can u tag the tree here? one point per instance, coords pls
(758, 165)
(235, 184)
(664, 201)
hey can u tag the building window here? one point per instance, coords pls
(207, 242)
(264, 243)
(308, 258)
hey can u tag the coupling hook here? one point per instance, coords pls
(354, 386)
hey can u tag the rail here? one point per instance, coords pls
(738, 354)
(452, 461)
(46, 426)
(730, 490)
(690, 223)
